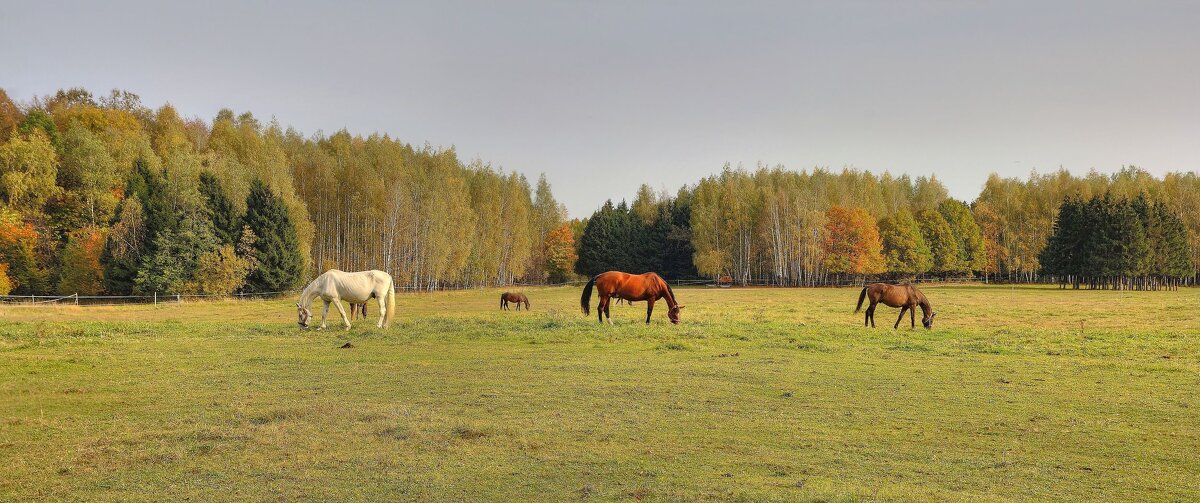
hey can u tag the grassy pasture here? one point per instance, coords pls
(761, 394)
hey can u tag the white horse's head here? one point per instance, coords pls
(304, 314)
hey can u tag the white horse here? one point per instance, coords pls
(334, 286)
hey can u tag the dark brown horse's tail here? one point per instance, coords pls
(587, 296)
(862, 295)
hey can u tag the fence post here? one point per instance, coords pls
(76, 298)
(156, 298)
(178, 300)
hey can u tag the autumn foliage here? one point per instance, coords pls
(852, 243)
(560, 253)
(18, 242)
(80, 270)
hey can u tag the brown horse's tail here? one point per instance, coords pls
(862, 295)
(587, 296)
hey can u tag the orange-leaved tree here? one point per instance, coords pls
(852, 243)
(80, 270)
(18, 240)
(560, 253)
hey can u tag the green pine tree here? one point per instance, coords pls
(220, 210)
(279, 265)
(1175, 248)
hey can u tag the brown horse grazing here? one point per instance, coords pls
(905, 297)
(648, 287)
(517, 298)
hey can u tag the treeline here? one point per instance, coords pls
(102, 195)
(423, 215)
(1117, 244)
(778, 227)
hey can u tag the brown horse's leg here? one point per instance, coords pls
(607, 313)
(902, 310)
(912, 316)
(871, 313)
(600, 308)
(649, 309)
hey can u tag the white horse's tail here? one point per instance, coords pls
(391, 304)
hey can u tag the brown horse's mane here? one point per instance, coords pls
(922, 301)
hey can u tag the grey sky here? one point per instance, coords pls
(602, 96)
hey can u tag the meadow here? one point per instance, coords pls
(1018, 393)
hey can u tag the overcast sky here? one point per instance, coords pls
(603, 96)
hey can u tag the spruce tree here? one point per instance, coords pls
(140, 217)
(677, 246)
(220, 210)
(1133, 249)
(1175, 261)
(277, 250)
(176, 257)
(1062, 256)
(595, 255)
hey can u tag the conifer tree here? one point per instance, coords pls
(278, 264)
(220, 210)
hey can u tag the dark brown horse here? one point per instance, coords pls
(905, 297)
(358, 311)
(517, 298)
(631, 287)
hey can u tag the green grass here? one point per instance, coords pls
(761, 394)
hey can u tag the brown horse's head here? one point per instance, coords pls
(304, 315)
(673, 314)
(927, 319)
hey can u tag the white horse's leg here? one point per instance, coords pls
(342, 310)
(324, 314)
(382, 308)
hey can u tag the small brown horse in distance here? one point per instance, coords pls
(516, 298)
(358, 311)
(905, 297)
(631, 287)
